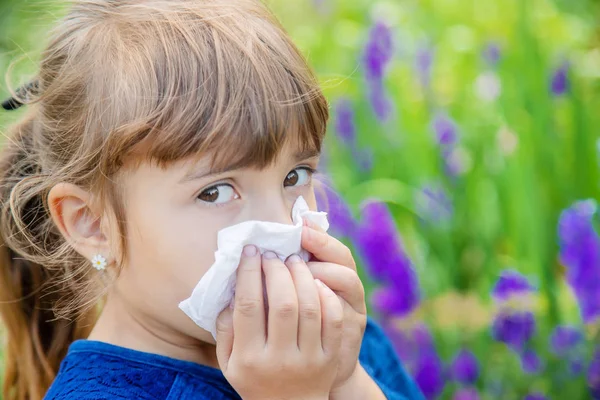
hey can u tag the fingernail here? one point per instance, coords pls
(294, 258)
(269, 255)
(249, 251)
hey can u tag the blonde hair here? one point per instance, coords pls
(149, 80)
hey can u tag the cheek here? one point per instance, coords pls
(170, 254)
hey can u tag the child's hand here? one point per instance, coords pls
(336, 269)
(291, 353)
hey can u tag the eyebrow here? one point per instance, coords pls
(194, 175)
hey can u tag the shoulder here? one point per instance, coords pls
(379, 359)
(102, 371)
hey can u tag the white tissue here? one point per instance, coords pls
(215, 290)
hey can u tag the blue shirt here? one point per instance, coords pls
(98, 370)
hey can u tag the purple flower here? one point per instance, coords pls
(593, 375)
(466, 394)
(491, 54)
(535, 396)
(564, 338)
(530, 362)
(340, 218)
(445, 131)
(423, 64)
(510, 283)
(378, 51)
(391, 301)
(380, 101)
(345, 125)
(559, 83)
(364, 158)
(576, 366)
(580, 253)
(403, 342)
(379, 243)
(514, 329)
(429, 374)
(433, 204)
(465, 368)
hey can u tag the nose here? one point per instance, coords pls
(271, 208)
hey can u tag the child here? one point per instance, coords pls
(151, 125)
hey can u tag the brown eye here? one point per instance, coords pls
(298, 177)
(218, 194)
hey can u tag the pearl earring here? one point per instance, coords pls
(99, 262)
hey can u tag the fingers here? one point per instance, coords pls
(224, 337)
(283, 302)
(309, 305)
(343, 281)
(249, 311)
(333, 319)
(326, 248)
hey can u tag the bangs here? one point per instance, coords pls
(198, 80)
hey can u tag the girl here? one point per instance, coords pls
(153, 124)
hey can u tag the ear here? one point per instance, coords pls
(79, 222)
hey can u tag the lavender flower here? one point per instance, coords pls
(379, 243)
(378, 51)
(345, 125)
(377, 55)
(423, 64)
(465, 368)
(514, 323)
(559, 83)
(510, 283)
(340, 218)
(466, 394)
(593, 375)
(429, 375)
(531, 362)
(491, 54)
(580, 253)
(433, 204)
(391, 301)
(564, 338)
(445, 130)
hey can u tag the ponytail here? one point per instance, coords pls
(35, 340)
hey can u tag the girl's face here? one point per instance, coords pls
(173, 216)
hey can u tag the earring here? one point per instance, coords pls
(99, 262)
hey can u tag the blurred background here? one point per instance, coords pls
(462, 163)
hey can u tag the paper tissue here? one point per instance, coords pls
(215, 290)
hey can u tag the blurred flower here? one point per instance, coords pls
(423, 64)
(559, 83)
(340, 218)
(507, 141)
(466, 394)
(531, 362)
(535, 396)
(363, 158)
(576, 366)
(580, 253)
(514, 323)
(488, 86)
(564, 338)
(514, 329)
(445, 130)
(345, 126)
(433, 204)
(378, 51)
(390, 300)
(465, 368)
(379, 243)
(429, 374)
(491, 54)
(510, 283)
(593, 375)
(380, 100)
